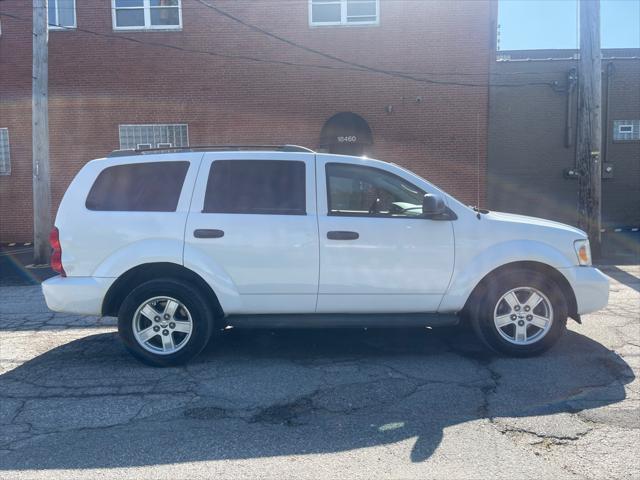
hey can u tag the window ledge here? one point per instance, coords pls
(343, 25)
(139, 30)
(63, 29)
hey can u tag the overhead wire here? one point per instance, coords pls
(345, 64)
(357, 65)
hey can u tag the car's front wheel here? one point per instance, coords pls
(165, 322)
(521, 313)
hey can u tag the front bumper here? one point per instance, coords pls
(590, 286)
(80, 295)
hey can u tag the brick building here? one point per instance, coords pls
(121, 77)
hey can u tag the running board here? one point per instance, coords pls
(337, 320)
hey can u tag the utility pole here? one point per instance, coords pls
(40, 134)
(589, 128)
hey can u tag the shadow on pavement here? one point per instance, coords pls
(623, 277)
(16, 267)
(88, 404)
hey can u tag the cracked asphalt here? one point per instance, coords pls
(410, 403)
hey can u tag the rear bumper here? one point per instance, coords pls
(81, 295)
(590, 286)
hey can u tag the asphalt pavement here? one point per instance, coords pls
(404, 403)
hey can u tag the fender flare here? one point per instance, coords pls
(166, 251)
(155, 250)
(464, 280)
(215, 276)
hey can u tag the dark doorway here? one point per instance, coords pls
(346, 134)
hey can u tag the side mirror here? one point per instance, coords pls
(433, 205)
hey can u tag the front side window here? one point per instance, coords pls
(343, 12)
(62, 14)
(143, 137)
(5, 159)
(268, 187)
(146, 14)
(138, 187)
(366, 191)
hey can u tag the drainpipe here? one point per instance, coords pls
(605, 121)
(572, 80)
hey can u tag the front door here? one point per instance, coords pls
(376, 253)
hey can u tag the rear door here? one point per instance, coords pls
(254, 215)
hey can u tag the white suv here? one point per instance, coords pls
(180, 244)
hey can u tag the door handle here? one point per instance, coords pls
(208, 233)
(342, 235)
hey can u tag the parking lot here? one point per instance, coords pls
(319, 403)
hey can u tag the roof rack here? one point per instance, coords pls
(196, 148)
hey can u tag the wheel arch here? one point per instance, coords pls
(547, 270)
(149, 271)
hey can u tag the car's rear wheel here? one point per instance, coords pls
(165, 322)
(520, 313)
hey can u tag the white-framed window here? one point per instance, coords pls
(146, 14)
(344, 12)
(143, 137)
(62, 14)
(5, 157)
(626, 130)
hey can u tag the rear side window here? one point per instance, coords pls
(138, 187)
(275, 187)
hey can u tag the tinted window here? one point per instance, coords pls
(356, 190)
(138, 187)
(256, 186)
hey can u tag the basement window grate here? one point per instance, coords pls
(153, 136)
(5, 157)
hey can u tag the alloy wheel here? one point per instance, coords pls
(162, 325)
(523, 315)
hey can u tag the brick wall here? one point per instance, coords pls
(97, 82)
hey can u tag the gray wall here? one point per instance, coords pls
(527, 145)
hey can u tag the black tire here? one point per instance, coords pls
(482, 313)
(201, 315)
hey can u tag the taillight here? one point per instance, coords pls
(56, 254)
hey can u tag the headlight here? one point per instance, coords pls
(583, 251)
